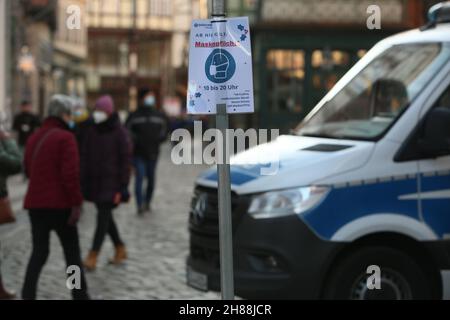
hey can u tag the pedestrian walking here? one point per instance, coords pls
(82, 121)
(148, 128)
(25, 123)
(105, 175)
(10, 163)
(54, 195)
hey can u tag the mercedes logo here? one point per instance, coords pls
(200, 207)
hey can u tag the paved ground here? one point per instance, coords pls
(157, 245)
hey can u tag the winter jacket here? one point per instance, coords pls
(10, 162)
(53, 166)
(25, 123)
(148, 128)
(81, 128)
(105, 160)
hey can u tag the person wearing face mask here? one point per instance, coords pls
(105, 174)
(25, 123)
(148, 128)
(54, 195)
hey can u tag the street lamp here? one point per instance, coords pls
(26, 63)
(27, 66)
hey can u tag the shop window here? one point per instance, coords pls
(104, 53)
(327, 59)
(150, 56)
(361, 53)
(328, 67)
(286, 74)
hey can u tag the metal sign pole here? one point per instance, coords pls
(224, 190)
(225, 222)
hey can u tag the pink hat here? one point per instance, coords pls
(105, 104)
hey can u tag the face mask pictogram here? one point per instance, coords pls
(219, 66)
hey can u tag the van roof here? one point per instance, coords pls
(441, 33)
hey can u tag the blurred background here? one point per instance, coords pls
(300, 47)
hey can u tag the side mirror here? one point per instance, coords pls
(435, 140)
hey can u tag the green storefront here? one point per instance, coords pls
(301, 48)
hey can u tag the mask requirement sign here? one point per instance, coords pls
(220, 66)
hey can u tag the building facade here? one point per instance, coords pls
(301, 49)
(138, 43)
(47, 52)
(70, 48)
(33, 23)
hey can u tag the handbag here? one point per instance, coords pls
(6, 213)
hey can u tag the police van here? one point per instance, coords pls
(362, 190)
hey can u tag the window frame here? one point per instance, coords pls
(409, 151)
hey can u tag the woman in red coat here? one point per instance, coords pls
(54, 194)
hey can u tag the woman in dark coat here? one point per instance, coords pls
(10, 163)
(105, 174)
(54, 194)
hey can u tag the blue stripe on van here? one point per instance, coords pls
(237, 178)
(344, 205)
(239, 174)
(436, 212)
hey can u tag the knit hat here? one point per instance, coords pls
(59, 105)
(105, 104)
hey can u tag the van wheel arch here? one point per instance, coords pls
(413, 248)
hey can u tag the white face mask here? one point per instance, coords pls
(149, 101)
(99, 117)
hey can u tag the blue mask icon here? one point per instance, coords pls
(220, 66)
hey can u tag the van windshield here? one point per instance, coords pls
(369, 104)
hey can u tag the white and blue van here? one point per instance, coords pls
(363, 181)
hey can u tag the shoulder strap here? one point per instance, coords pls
(40, 143)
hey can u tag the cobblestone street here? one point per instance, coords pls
(157, 245)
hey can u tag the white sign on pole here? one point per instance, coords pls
(220, 66)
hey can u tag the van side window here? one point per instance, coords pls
(409, 150)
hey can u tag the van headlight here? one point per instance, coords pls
(286, 202)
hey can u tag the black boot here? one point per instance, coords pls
(148, 208)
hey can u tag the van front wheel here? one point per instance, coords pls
(377, 273)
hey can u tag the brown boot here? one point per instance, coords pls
(120, 256)
(91, 261)
(5, 295)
